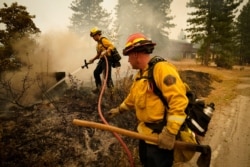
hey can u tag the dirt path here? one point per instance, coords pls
(229, 138)
(229, 131)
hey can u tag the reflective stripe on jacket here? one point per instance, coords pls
(149, 107)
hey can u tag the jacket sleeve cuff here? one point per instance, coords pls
(123, 108)
(173, 128)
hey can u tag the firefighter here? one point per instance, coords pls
(154, 118)
(103, 48)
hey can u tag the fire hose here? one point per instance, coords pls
(99, 107)
(205, 150)
(104, 120)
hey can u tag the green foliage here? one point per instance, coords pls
(88, 14)
(243, 27)
(224, 62)
(212, 25)
(17, 25)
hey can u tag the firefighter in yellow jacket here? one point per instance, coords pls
(150, 110)
(103, 48)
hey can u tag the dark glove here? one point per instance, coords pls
(166, 139)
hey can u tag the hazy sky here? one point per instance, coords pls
(55, 14)
(57, 47)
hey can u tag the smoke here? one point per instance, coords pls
(51, 52)
(57, 51)
(65, 51)
(62, 51)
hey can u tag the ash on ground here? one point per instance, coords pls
(44, 134)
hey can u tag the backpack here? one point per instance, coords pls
(115, 57)
(198, 113)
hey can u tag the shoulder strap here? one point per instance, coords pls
(156, 90)
(100, 41)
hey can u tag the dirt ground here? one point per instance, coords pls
(229, 129)
(44, 134)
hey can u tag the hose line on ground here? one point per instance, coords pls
(104, 120)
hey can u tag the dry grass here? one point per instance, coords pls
(224, 81)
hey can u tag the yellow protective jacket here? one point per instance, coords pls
(104, 44)
(149, 107)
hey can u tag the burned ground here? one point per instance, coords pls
(45, 135)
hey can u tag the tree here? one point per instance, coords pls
(157, 22)
(88, 14)
(157, 19)
(200, 27)
(149, 17)
(18, 24)
(125, 22)
(225, 35)
(243, 27)
(212, 26)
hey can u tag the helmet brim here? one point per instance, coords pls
(142, 46)
(92, 34)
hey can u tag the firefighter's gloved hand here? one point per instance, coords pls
(113, 112)
(104, 53)
(166, 139)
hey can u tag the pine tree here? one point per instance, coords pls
(156, 17)
(201, 27)
(157, 21)
(88, 14)
(243, 27)
(126, 19)
(225, 34)
(149, 17)
(212, 26)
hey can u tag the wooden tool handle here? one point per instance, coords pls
(203, 160)
(121, 131)
(132, 134)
